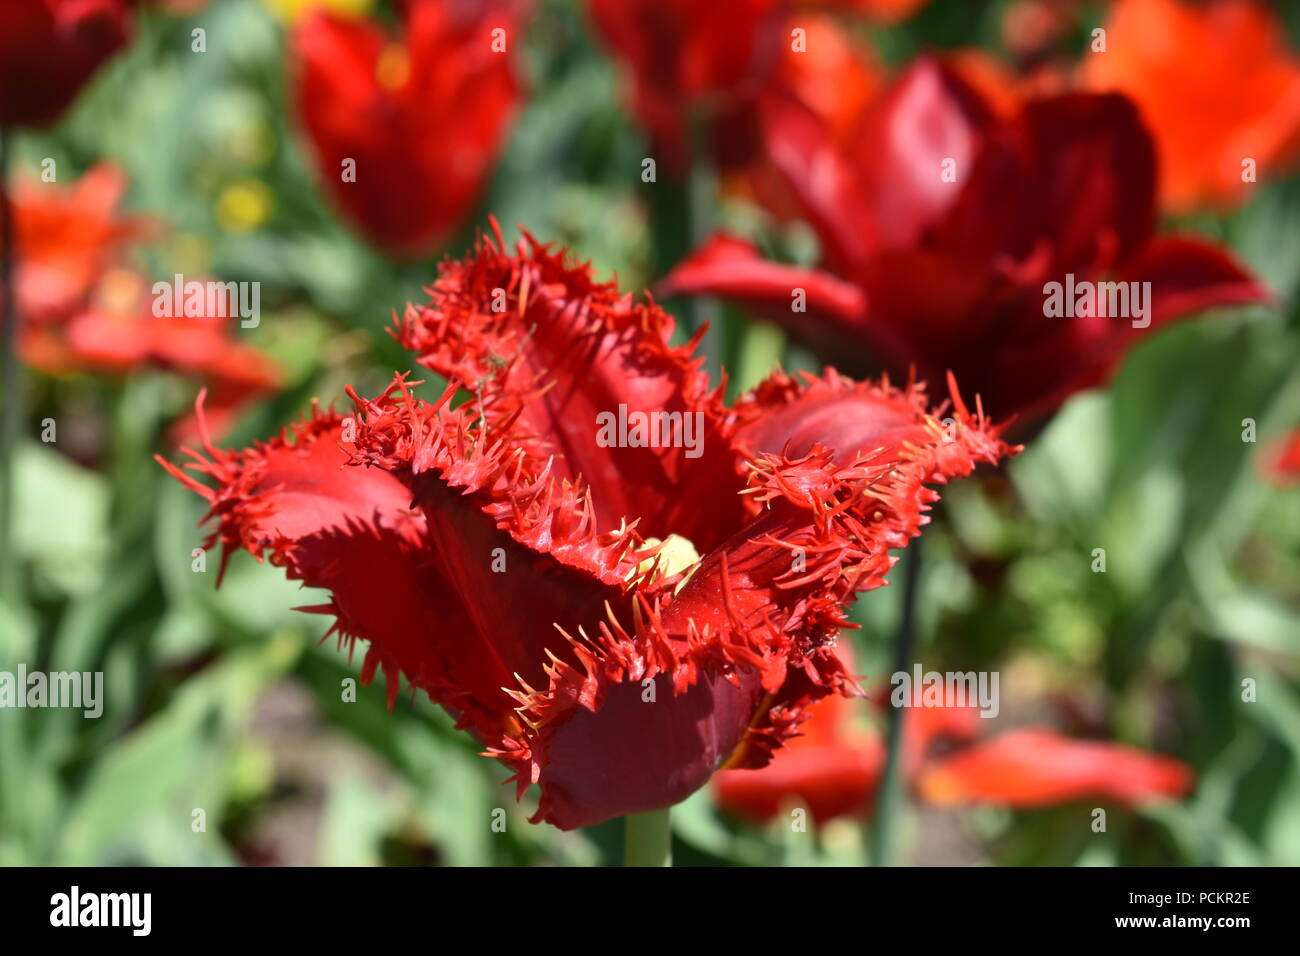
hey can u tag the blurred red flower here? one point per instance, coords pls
(82, 309)
(49, 49)
(421, 115)
(944, 224)
(712, 65)
(1216, 85)
(1280, 462)
(526, 569)
(885, 11)
(1035, 767)
(66, 237)
(834, 767)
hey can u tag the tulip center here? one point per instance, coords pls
(677, 555)
(393, 68)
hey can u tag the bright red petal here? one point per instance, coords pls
(812, 303)
(828, 780)
(535, 335)
(1035, 767)
(346, 529)
(809, 158)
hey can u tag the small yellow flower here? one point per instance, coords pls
(243, 206)
(291, 11)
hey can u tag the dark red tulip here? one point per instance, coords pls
(943, 225)
(421, 114)
(1206, 129)
(696, 71)
(49, 49)
(513, 560)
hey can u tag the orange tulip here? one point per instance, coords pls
(1215, 83)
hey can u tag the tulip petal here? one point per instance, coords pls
(1189, 275)
(536, 336)
(49, 49)
(1075, 173)
(831, 768)
(810, 161)
(683, 55)
(814, 304)
(828, 780)
(1205, 128)
(346, 529)
(929, 117)
(1034, 767)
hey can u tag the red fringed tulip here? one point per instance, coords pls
(405, 129)
(833, 769)
(528, 557)
(1216, 85)
(49, 49)
(830, 767)
(947, 228)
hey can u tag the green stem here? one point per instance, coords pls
(701, 208)
(889, 797)
(648, 839)
(761, 347)
(11, 420)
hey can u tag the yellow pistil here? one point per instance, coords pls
(393, 68)
(677, 555)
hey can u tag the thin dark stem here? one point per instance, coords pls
(701, 208)
(10, 422)
(889, 798)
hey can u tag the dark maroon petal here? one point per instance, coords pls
(1189, 275)
(49, 49)
(635, 755)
